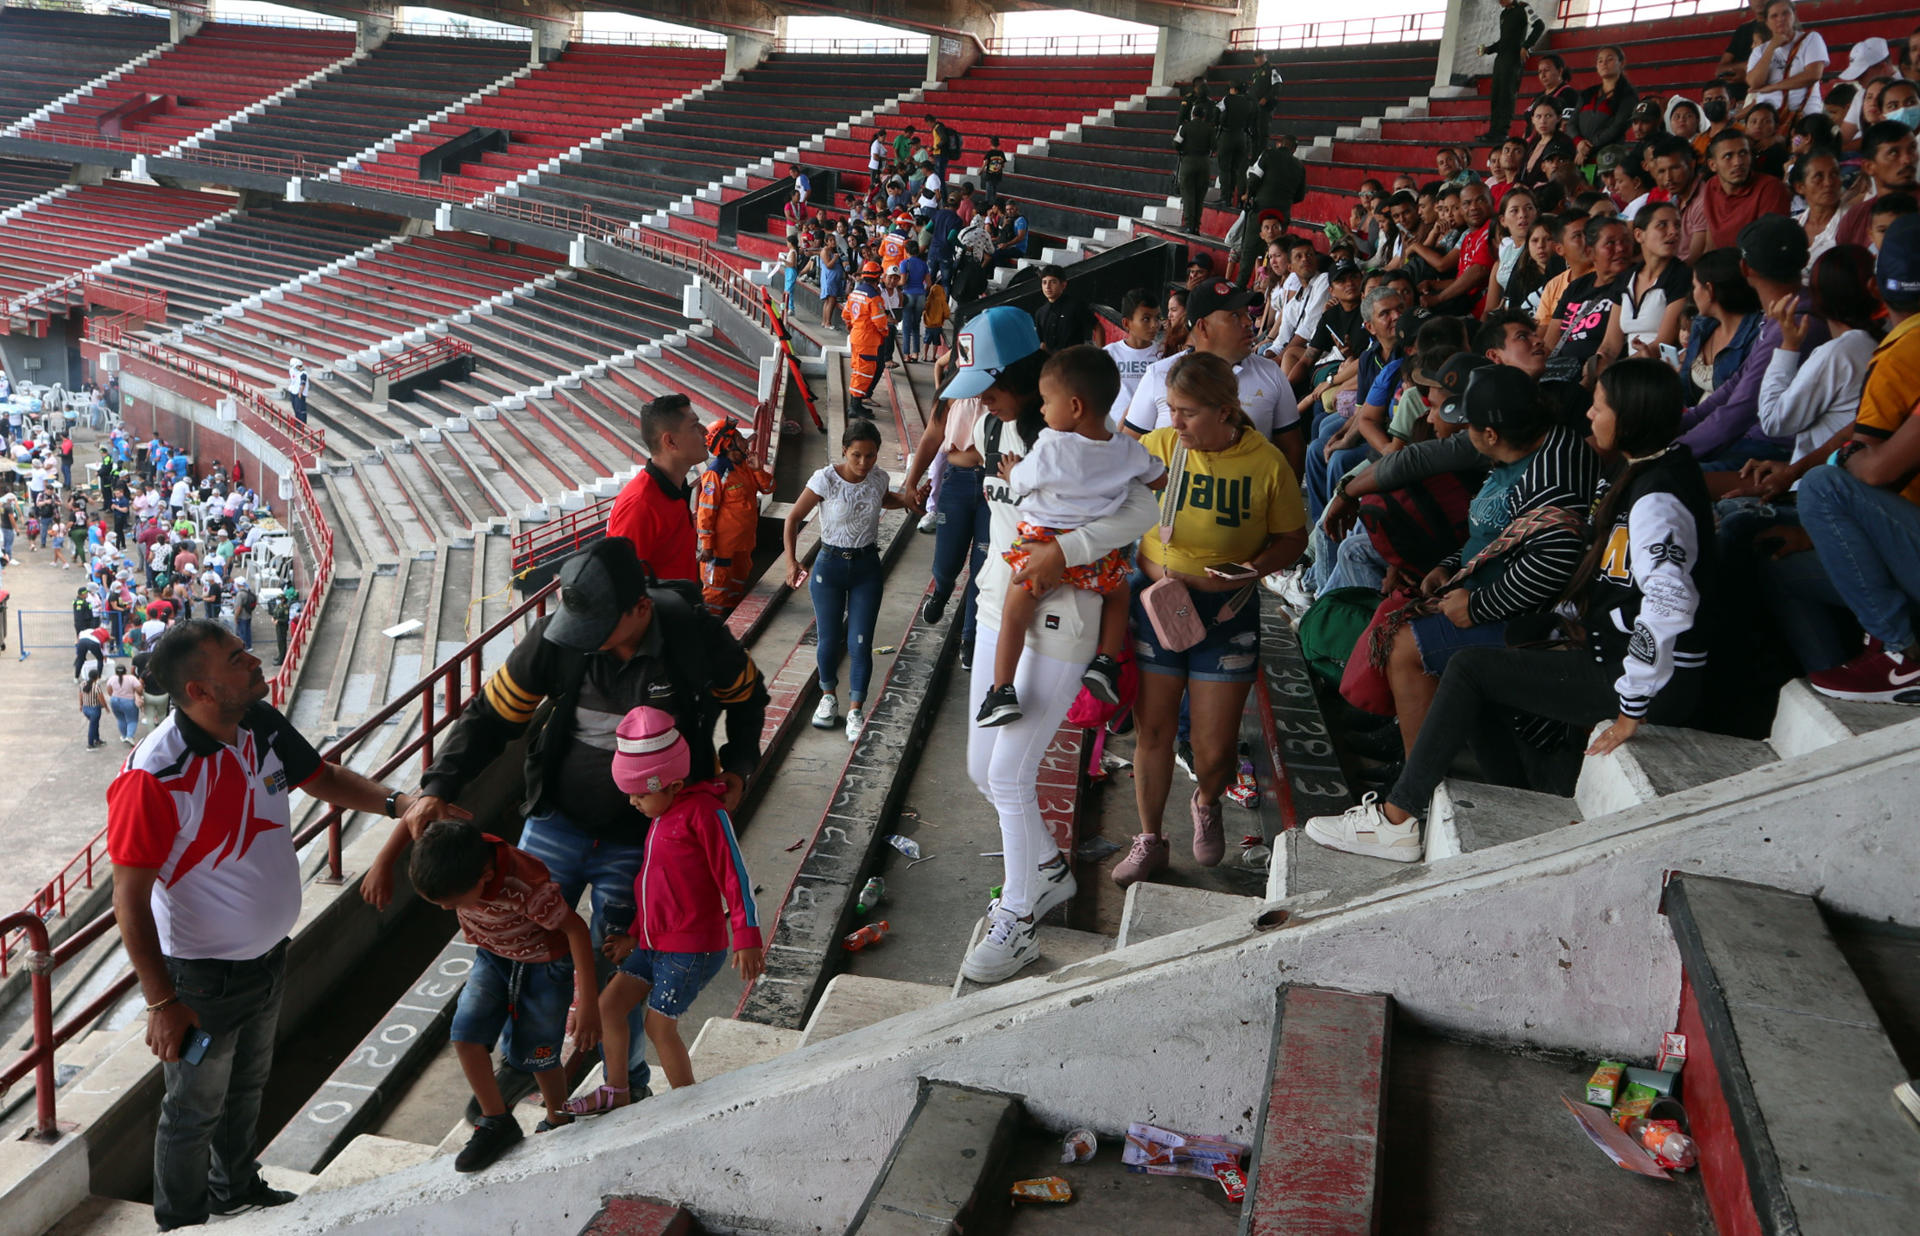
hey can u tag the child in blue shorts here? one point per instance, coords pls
(691, 882)
(533, 957)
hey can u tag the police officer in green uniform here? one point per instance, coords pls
(1193, 142)
(1236, 129)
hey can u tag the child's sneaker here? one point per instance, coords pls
(999, 708)
(1102, 679)
(492, 1137)
(1365, 829)
(825, 714)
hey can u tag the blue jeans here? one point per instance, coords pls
(126, 715)
(846, 586)
(577, 861)
(911, 306)
(521, 1005)
(1735, 456)
(204, 1144)
(1868, 542)
(92, 714)
(960, 539)
(243, 627)
(1356, 563)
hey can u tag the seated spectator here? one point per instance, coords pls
(1556, 86)
(1457, 278)
(1816, 178)
(1647, 122)
(1377, 374)
(1723, 428)
(1684, 119)
(1812, 133)
(1631, 184)
(1727, 318)
(1746, 35)
(1340, 324)
(1547, 138)
(1570, 262)
(1860, 512)
(1885, 210)
(1735, 197)
(1674, 171)
(1583, 318)
(1641, 590)
(1514, 221)
(1784, 69)
(1888, 156)
(1605, 106)
(1716, 104)
(1522, 288)
(1770, 149)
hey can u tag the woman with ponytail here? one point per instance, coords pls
(1637, 654)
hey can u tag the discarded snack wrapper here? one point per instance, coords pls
(1604, 1086)
(1079, 1146)
(1673, 1053)
(1044, 1189)
(1162, 1152)
(1633, 1104)
(1245, 790)
(1115, 763)
(1232, 1181)
(883, 649)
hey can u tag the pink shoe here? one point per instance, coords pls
(1147, 858)
(1209, 838)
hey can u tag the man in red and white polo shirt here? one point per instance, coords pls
(205, 887)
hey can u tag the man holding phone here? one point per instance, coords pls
(206, 886)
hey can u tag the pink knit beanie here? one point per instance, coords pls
(650, 754)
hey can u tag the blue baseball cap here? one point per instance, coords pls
(1898, 271)
(988, 343)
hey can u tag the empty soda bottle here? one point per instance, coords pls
(870, 896)
(906, 845)
(872, 933)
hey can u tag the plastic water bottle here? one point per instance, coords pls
(872, 933)
(870, 896)
(906, 845)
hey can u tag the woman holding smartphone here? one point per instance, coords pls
(1231, 513)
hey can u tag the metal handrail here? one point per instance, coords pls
(37, 1059)
(1422, 27)
(1575, 14)
(420, 358)
(1131, 43)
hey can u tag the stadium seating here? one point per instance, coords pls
(776, 105)
(22, 180)
(50, 53)
(208, 76)
(404, 79)
(586, 92)
(92, 223)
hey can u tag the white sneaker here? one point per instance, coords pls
(826, 714)
(929, 521)
(1008, 946)
(1056, 886)
(856, 722)
(1291, 586)
(1365, 829)
(1906, 1097)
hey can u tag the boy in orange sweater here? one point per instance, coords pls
(727, 516)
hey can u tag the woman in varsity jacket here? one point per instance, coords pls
(1637, 652)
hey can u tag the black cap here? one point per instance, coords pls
(1343, 270)
(1213, 295)
(1610, 157)
(1775, 246)
(1500, 396)
(1203, 260)
(597, 586)
(1452, 380)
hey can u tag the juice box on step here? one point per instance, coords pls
(1604, 1086)
(1673, 1053)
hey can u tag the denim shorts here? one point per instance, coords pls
(1438, 639)
(674, 979)
(1230, 651)
(528, 999)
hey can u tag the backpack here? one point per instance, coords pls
(1331, 629)
(245, 602)
(1415, 527)
(950, 142)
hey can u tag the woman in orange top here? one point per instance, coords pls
(726, 516)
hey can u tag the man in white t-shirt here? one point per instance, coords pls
(1219, 325)
(1140, 318)
(206, 886)
(1786, 69)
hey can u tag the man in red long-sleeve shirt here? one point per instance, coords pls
(652, 510)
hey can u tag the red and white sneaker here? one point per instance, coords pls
(1878, 675)
(1365, 829)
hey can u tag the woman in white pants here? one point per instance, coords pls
(1002, 366)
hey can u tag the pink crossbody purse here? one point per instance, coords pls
(1169, 606)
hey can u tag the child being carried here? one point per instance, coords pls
(1080, 471)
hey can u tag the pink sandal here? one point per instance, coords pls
(603, 1100)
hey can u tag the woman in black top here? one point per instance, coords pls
(1606, 106)
(1637, 654)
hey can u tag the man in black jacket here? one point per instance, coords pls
(1519, 31)
(1236, 130)
(617, 640)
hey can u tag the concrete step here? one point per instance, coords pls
(1807, 720)
(1304, 868)
(1789, 1068)
(936, 1178)
(1471, 815)
(727, 1043)
(641, 1216)
(1161, 909)
(1059, 947)
(851, 1002)
(368, 1156)
(105, 1216)
(1316, 1158)
(1662, 760)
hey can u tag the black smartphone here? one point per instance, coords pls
(193, 1048)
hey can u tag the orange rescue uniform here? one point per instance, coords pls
(726, 519)
(867, 328)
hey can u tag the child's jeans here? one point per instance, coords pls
(528, 1000)
(673, 980)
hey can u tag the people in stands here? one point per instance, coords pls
(1579, 337)
(1655, 295)
(1375, 372)
(1641, 589)
(727, 516)
(1519, 31)
(1010, 244)
(1605, 106)
(1194, 141)
(1001, 380)
(1556, 86)
(1684, 119)
(1547, 141)
(1771, 148)
(1276, 182)
(651, 512)
(532, 984)
(1816, 180)
(1230, 513)
(1733, 198)
(206, 886)
(1063, 319)
(848, 575)
(1231, 144)
(298, 383)
(1078, 471)
(676, 943)
(1139, 347)
(993, 166)
(1173, 339)
(617, 639)
(1784, 70)
(1889, 157)
(1740, 44)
